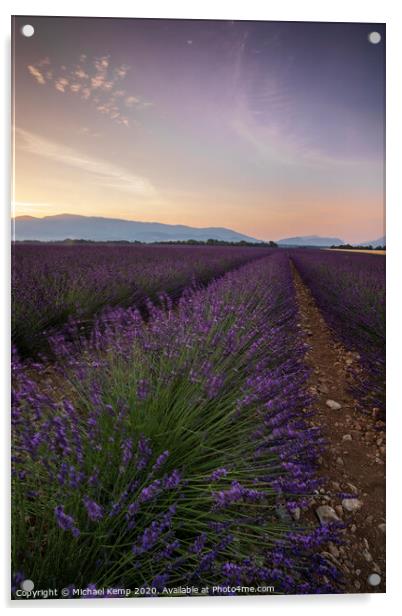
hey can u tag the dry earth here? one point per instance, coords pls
(354, 460)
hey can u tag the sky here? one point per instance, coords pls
(274, 129)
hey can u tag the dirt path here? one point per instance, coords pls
(354, 460)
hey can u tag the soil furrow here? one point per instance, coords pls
(353, 464)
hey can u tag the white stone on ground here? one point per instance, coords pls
(351, 504)
(333, 405)
(326, 514)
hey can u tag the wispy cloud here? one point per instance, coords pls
(105, 174)
(36, 74)
(265, 111)
(85, 130)
(95, 80)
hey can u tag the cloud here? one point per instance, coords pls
(84, 130)
(95, 80)
(61, 84)
(106, 174)
(265, 113)
(130, 101)
(36, 74)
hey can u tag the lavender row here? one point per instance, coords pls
(54, 283)
(173, 452)
(350, 290)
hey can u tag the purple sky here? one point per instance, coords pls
(271, 128)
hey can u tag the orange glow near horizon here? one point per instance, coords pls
(298, 218)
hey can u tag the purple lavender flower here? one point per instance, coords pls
(65, 521)
(94, 511)
(217, 474)
(150, 491)
(160, 461)
(172, 481)
(127, 452)
(142, 389)
(198, 544)
(144, 452)
(160, 581)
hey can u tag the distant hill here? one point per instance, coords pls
(374, 243)
(71, 226)
(310, 240)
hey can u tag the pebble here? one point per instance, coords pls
(296, 514)
(326, 514)
(382, 527)
(333, 405)
(282, 513)
(367, 556)
(374, 579)
(351, 504)
(333, 549)
(331, 558)
(347, 437)
(339, 461)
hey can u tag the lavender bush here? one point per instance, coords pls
(172, 452)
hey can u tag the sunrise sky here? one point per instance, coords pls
(272, 129)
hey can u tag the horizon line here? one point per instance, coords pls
(28, 216)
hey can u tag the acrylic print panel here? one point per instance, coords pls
(197, 308)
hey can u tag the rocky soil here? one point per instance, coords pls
(353, 465)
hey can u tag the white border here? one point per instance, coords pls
(388, 11)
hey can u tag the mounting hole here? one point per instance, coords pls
(28, 30)
(374, 38)
(374, 579)
(27, 585)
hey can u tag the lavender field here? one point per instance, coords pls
(350, 291)
(54, 283)
(163, 425)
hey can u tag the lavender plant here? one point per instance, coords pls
(172, 452)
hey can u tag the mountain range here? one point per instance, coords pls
(71, 226)
(374, 243)
(310, 240)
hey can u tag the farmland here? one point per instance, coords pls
(164, 419)
(55, 283)
(350, 291)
